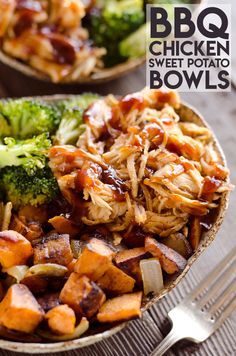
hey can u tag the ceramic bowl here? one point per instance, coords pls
(187, 113)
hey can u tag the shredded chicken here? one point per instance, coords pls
(138, 164)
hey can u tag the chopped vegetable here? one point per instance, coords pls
(134, 46)
(61, 320)
(79, 330)
(115, 281)
(82, 295)
(76, 247)
(114, 22)
(170, 260)
(128, 261)
(6, 219)
(49, 300)
(31, 231)
(17, 272)
(124, 307)
(47, 270)
(19, 310)
(14, 249)
(22, 188)
(64, 225)
(179, 243)
(69, 128)
(27, 118)
(5, 129)
(151, 275)
(54, 248)
(195, 232)
(95, 259)
(29, 154)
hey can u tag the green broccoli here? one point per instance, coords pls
(69, 128)
(22, 188)
(114, 22)
(30, 153)
(71, 118)
(28, 118)
(134, 46)
(78, 101)
(5, 129)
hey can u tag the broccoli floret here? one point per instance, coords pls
(69, 128)
(28, 118)
(5, 129)
(114, 22)
(71, 118)
(78, 101)
(22, 188)
(134, 46)
(30, 153)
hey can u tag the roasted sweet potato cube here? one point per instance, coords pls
(124, 307)
(36, 284)
(15, 249)
(179, 243)
(115, 281)
(64, 226)
(29, 213)
(61, 320)
(95, 259)
(1, 292)
(82, 295)
(195, 232)
(31, 231)
(128, 261)
(170, 260)
(49, 301)
(53, 249)
(19, 310)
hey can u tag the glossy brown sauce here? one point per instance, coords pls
(118, 186)
(210, 186)
(24, 23)
(63, 50)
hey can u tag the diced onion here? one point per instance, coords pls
(151, 275)
(79, 330)
(17, 272)
(7, 216)
(76, 248)
(47, 269)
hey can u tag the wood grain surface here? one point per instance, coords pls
(141, 336)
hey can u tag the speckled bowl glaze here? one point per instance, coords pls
(187, 113)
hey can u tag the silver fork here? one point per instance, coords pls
(202, 312)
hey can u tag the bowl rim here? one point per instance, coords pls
(209, 237)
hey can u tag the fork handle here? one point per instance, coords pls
(166, 343)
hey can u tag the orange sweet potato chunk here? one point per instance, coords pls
(53, 249)
(64, 226)
(125, 307)
(19, 310)
(82, 295)
(15, 249)
(170, 260)
(195, 232)
(116, 281)
(128, 261)
(95, 259)
(61, 320)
